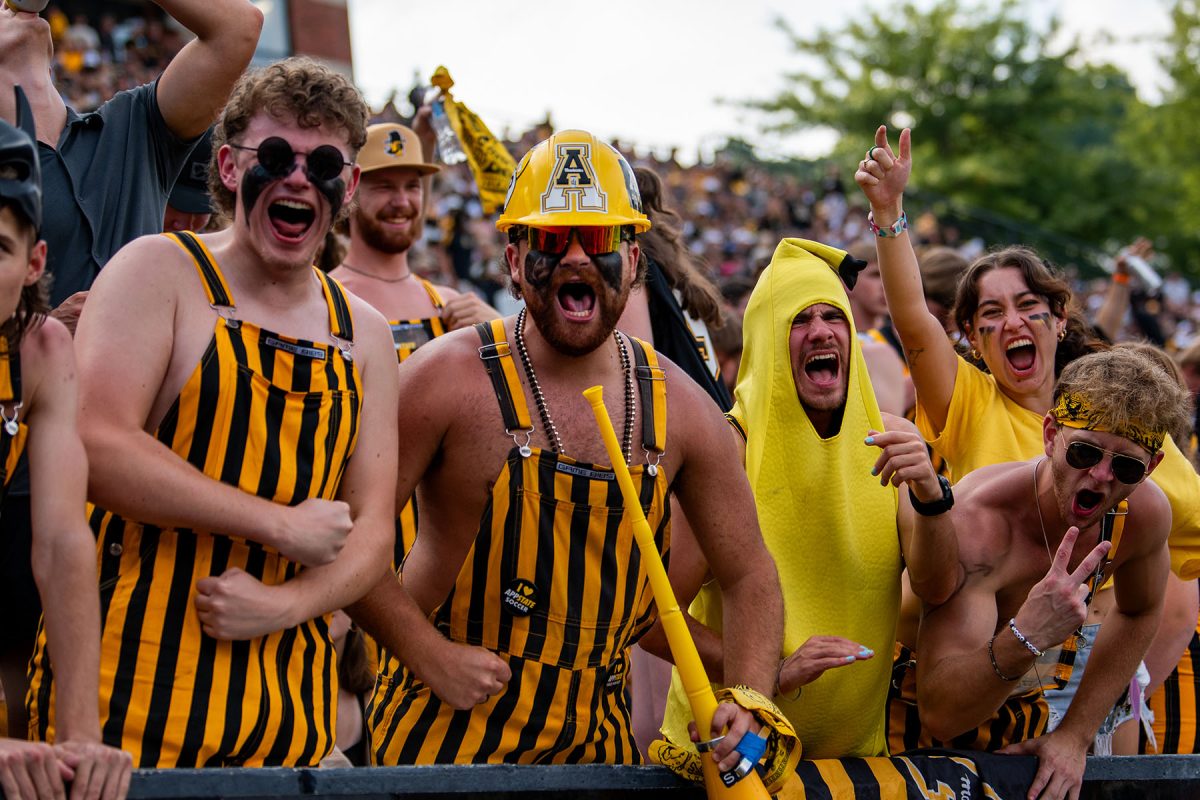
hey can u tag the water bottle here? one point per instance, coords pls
(32, 6)
(1146, 274)
(449, 148)
(1138, 266)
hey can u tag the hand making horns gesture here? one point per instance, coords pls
(882, 174)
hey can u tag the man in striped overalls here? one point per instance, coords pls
(225, 386)
(526, 562)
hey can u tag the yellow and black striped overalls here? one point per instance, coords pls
(278, 418)
(13, 432)
(554, 583)
(408, 335)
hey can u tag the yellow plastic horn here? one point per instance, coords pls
(683, 648)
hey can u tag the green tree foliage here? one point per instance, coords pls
(1007, 128)
(1163, 139)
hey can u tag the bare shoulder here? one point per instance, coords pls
(150, 273)
(446, 292)
(370, 327)
(47, 355)
(1150, 512)
(694, 420)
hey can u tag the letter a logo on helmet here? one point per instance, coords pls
(572, 179)
(573, 185)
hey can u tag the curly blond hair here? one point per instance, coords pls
(1126, 390)
(295, 88)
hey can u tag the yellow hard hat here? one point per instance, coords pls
(573, 178)
(389, 145)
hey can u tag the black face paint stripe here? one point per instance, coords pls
(539, 266)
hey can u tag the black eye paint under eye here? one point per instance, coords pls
(254, 181)
(1044, 318)
(986, 331)
(257, 178)
(539, 266)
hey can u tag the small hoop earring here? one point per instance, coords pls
(1062, 334)
(976, 355)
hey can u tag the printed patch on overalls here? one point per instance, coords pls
(584, 472)
(616, 674)
(409, 335)
(295, 349)
(520, 597)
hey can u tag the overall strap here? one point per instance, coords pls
(435, 296)
(496, 355)
(652, 386)
(10, 372)
(215, 287)
(1111, 528)
(341, 322)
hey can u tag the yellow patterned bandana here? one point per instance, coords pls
(1074, 411)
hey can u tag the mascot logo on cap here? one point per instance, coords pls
(573, 185)
(394, 144)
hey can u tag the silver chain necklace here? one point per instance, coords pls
(544, 412)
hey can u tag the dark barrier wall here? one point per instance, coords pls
(1115, 778)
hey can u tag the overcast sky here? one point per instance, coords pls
(653, 72)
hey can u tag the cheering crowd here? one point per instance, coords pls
(913, 492)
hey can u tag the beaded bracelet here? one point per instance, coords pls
(1121, 278)
(1030, 646)
(995, 666)
(891, 231)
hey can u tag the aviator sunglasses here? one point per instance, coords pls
(1085, 455)
(596, 240)
(277, 157)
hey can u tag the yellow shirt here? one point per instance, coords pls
(828, 523)
(984, 426)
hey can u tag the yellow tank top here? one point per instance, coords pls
(828, 523)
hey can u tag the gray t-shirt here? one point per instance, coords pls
(106, 184)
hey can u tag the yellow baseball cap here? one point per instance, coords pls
(390, 145)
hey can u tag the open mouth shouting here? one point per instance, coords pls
(1022, 355)
(291, 219)
(823, 370)
(577, 300)
(1085, 503)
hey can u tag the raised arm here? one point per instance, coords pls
(196, 84)
(123, 359)
(930, 355)
(64, 563)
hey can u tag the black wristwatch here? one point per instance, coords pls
(939, 506)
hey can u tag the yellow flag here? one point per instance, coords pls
(490, 162)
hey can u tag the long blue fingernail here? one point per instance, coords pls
(849, 658)
(874, 470)
(866, 652)
(870, 440)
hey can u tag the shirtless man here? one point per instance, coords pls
(526, 559)
(225, 385)
(1030, 539)
(386, 219)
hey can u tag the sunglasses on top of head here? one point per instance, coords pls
(596, 240)
(277, 157)
(1085, 455)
